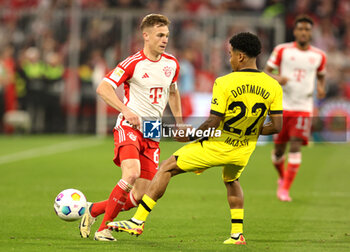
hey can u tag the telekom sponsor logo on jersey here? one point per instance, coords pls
(155, 94)
(299, 74)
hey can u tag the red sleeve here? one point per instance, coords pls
(322, 66)
(119, 75)
(279, 56)
(176, 71)
(276, 57)
(124, 71)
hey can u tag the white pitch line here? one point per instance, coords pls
(49, 150)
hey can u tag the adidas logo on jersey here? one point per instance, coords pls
(145, 76)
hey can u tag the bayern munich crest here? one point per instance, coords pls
(167, 71)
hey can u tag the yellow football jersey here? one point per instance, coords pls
(244, 98)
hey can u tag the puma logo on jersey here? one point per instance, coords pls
(145, 76)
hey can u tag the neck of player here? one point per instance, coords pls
(303, 46)
(249, 63)
(152, 55)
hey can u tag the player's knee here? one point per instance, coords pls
(168, 165)
(295, 148)
(278, 152)
(131, 176)
(131, 171)
(164, 171)
(295, 145)
(277, 157)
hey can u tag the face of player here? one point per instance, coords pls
(156, 39)
(302, 33)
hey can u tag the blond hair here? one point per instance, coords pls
(154, 19)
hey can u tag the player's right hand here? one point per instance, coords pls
(132, 118)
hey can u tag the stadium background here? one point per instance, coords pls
(54, 53)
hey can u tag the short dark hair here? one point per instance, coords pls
(154, 19)
(303, 18)
(247, 43)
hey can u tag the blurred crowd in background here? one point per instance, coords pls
(37, 42)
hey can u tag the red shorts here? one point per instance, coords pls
(295, 124)
(148, 150)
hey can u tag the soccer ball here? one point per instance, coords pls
(70, 204)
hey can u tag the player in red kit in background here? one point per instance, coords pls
(150, 82)
(298, 64)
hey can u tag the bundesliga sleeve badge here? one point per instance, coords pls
(117, 74)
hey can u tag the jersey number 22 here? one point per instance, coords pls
(250, 129)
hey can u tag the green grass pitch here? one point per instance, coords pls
(192, 216)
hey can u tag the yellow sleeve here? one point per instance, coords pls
(218, 102)
(276, 105)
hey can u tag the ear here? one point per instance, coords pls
(294, 31)
(145, 36)
(241, 57)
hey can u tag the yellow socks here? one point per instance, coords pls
(237, 221)
(145, 207)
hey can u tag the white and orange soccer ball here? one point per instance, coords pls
(70, 204)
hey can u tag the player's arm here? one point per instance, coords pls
(321, 86)
(274, 126)
(212, 122)
(217, 108)
(107, 93)
(281, 79)
(217, 111)
(175, 103)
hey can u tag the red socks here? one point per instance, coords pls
(115, 202)
(288, 176)
(131, 202)
(294, 161)
(98, 208)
